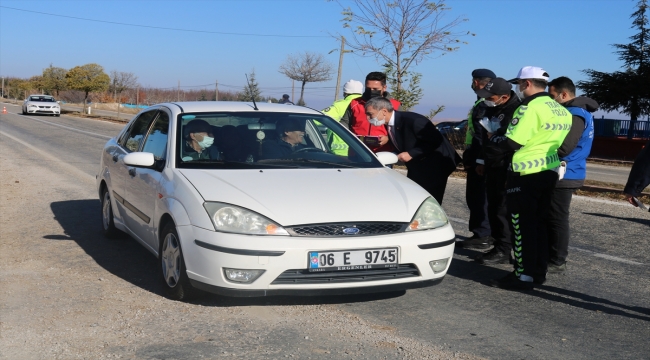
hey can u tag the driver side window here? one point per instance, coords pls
(138, 130)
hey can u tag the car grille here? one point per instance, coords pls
(44, 107)
(303, 276)
(364, 229)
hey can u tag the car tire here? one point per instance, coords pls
(172, 266)
(57, 115)
(23, 112)
(108, 224)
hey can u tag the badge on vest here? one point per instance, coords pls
(514, 121)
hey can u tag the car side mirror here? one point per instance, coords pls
(140, 159)
(386, 158)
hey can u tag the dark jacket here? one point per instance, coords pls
(494, 157)
(639, 177)
(474, 150)
(574, 135)
(417, 135)
(278, 149)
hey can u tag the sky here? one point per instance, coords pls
(199, 42)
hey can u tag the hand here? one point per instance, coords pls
(404, 157)
(480, 169)
(383, 140)
(490, 135)
(630, 199)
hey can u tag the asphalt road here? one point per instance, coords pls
(599, 309)
(605, 173)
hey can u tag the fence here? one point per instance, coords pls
(620, 128)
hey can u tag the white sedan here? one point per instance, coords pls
(41, 104)
(241, 199)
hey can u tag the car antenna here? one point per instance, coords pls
(252, 94)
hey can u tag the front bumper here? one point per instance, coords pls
(40, 110)
(207, 252)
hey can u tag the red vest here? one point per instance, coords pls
(360, 126)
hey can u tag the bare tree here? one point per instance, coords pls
(306, 67)
(401, 33)
(121, 81)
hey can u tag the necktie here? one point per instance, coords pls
(391, 135)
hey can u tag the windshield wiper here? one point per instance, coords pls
(310, 161)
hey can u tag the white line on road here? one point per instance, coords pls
(603, 256)
(61, 164)
(65, 127)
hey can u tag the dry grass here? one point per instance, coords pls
(109, 107)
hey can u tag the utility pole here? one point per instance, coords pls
(178, 92)
(137, 96)
(216, 90)
(293, 98)
(338, 78)
(3, 86)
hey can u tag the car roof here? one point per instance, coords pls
(206, 106)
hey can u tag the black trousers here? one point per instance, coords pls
(476, 198)
(430, 175)
(558, 225)
(529, 198)
(495, 181)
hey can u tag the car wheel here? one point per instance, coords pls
(108, 225)
(172, 266)
(57, 115)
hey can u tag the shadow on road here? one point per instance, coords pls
(128, 260)
(639, 221)
(483, 274)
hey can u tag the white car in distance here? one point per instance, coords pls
(241, 199)
(41, 104)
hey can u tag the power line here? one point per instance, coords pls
(165, 28)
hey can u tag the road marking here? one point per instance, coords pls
(61, 164)
(65, 127)
(602, 173)
(603, 256)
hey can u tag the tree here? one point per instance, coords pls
(36, 82)
(306, 67)
(628, 90)
(121, 81)
(54, 79)
(408, 95)
(401, 32)
(251, 90)
(88, 78)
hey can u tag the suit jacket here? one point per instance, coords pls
(418, 136)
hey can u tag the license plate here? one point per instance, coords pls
(352, 259)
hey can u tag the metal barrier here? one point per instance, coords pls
(620, 128)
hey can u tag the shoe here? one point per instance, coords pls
(476, 243)
(493, 256)
(539, 279)
(512, 282)
(556, 269)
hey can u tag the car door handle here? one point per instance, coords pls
(115, 157)
(132, 172)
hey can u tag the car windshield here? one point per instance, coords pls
(267, 140)
(41, 98)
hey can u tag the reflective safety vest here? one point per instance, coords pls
(576, 161)
(336, 112)
(470, 124)
(540, 128)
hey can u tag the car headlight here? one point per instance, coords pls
(429, 216)
(234, 219)
(32, 105)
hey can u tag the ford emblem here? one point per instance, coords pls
(351, 231)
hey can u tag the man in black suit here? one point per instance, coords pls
(429, 157)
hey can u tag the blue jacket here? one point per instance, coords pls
(577, 159)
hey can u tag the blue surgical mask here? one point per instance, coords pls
(206, 142)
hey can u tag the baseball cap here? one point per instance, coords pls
(530, 72)
(483, 73)
(353, 87)
(285, 96)
(497, 86)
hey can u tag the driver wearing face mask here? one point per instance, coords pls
(199, 142)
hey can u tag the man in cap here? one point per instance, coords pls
(573, 154)
(501, 103)
(475, 194)
(355, 115)
(285, 100)
(536, 131)
(351, 90)
(199, 142)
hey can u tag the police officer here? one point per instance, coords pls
(536, 131)
(475, 195)
(351, 90)
(573, 153)
(501, 104)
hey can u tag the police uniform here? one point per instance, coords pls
(536, 131)
(336, 111)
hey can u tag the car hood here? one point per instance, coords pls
(308, 196)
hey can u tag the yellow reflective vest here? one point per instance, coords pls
(336, 112)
